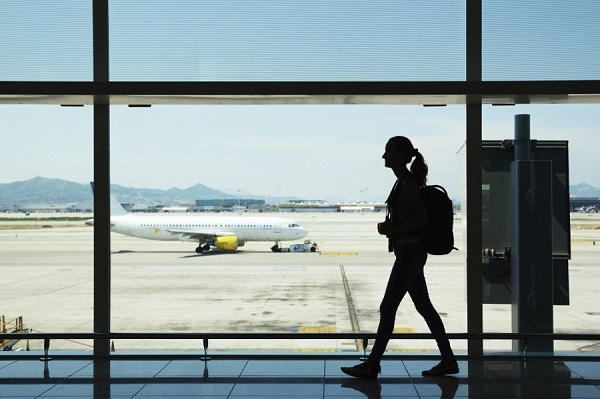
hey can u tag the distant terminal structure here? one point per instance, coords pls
(258, 205)
(322, 206)
(577, 204)
(231, 205)
(231, 202)
(583, 204)
(218, 205)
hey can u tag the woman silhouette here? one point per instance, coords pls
(406, 218)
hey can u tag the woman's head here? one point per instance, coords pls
(399, 151)
(401, 147)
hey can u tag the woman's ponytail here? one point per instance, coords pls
(419, 168)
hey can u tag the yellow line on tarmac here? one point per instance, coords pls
(353, 318)
(337, 253)
(312, 330)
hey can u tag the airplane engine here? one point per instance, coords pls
(227, 243)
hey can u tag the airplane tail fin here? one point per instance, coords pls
(116, 208)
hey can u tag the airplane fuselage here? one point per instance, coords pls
(185, 227)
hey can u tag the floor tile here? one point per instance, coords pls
(357, 388)
(297, 379)
(280, 389)
(185, 388)
(213, 368)
(584, 369)
(275, 368)
(23, 390)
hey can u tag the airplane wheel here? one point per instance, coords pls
(199, 250)
(206, 247)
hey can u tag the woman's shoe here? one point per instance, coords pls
(443, 368)
(363, 370)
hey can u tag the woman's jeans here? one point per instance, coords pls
(407, 276)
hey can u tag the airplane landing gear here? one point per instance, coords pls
(202, 248)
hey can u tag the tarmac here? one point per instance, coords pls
(47, 278)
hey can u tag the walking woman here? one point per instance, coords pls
(406, 218)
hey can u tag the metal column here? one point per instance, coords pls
(531, 242)
(101, 181)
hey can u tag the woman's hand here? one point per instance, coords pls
(384, 227)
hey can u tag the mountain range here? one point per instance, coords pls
(41, 190)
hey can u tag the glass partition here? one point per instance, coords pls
(317, 166)
(45, 200)
(275, 161)
(257, 40)
(532, 40)
(574, 266)
(46, 41)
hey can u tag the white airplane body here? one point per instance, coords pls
(223, 232)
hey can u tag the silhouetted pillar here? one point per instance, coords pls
(531, 242)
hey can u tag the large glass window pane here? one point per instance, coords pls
(575, 277)
(258, 40)
(328, 156)
(534, 40)
(46, 40)
(45, 199)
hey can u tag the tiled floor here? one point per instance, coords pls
(216, 378)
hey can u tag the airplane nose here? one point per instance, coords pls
(303, 232)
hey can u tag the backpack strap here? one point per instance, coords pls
(393, 192)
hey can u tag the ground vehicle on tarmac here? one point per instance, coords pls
(307, 246)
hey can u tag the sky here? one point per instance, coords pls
(326, 152)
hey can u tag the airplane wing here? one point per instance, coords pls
(197, 234)
(224, 240)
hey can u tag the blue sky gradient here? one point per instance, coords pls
(318, 151)
(326, 152)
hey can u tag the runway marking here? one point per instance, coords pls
(404, 330)
(313, 330)
(314, 350)
(353, 318)
(333, 253)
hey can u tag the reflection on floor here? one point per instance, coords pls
(177, 378)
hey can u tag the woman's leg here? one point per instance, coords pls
(407, 266)
(420, 296)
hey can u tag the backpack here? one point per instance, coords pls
(438, 237)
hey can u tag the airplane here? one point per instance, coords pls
(222, 232)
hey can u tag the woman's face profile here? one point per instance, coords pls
(393, 156)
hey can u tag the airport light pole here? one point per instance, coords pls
(360, 195)
(239, 200)
(279, 205)
(366, 192)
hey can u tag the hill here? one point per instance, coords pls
(584, 190)
(41, 190)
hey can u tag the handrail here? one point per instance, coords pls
(258, 335)
(205, 337)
